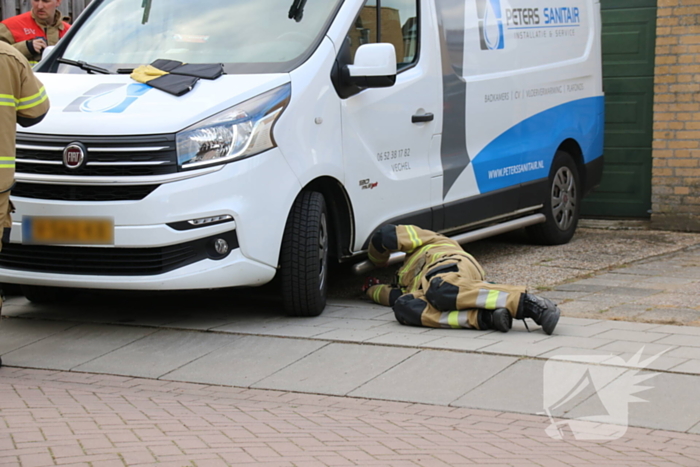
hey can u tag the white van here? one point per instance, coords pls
(333, 118)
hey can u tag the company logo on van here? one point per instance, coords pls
(108, 98)
(490, 24)
(526, 22)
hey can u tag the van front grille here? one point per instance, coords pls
(112, 156)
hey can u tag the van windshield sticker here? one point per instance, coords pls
(108, 98)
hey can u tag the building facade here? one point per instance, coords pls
(676, 147)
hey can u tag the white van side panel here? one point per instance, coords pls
(532, 75)
(389, 160)
(310, 135)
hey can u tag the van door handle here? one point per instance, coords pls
(428, 117)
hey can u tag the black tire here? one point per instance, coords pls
(42, 295)
(562, 203)
(304, 257)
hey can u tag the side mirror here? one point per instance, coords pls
(375, 66)
(46, 52)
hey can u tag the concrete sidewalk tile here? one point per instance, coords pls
(336, 369)
(157, 354)
(640, 271)
(518, 349)
(248, 326)
(564, 329)
(521, 336)
(635, 336)
(75, 346)
(627, 326)
(672, 405)
(575, 352)
(353, 303)
(401, 339)
(561, 295)
(668, 299)
(16, 333)
(460, 341)
(663, 362)
(666, 282)
(689, 366)
(570, 321)
(634, 347)
(685, 352)
(580, 308)
(350, 335)
(677, 316)
(348, 324)
(675, 329)
(528, 395)
(369, 313)
(580, 342)
(296, 331)
(581, 287)
(198, 323)
(615, 276)
(444, 376)
(681, 340)
(395, 327)
(245, 361)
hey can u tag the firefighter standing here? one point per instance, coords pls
(33, 31)
(442, 286)
(23, 100)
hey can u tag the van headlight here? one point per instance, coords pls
(236, 133)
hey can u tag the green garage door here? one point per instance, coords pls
(629, 37)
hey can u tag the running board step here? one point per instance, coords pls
(366, 266)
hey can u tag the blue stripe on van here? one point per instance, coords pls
(524, 152)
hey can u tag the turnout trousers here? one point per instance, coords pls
(453, 293)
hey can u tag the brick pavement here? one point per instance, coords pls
(77, 419)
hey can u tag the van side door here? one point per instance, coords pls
(388, 149)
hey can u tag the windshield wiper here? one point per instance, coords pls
(296, 12)
(84, 66)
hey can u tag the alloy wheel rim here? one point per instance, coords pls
(322, 252)
(564, 198)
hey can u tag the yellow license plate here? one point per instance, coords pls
(67, 231)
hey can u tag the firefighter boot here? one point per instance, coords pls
(542, 311)
(499, 319)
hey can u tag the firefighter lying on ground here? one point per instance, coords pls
(442, 286)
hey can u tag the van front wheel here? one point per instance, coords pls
(304, 257)
(562, 204)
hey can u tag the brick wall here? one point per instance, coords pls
(676, 150)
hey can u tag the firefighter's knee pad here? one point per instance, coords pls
(408, 310)
(442, 295)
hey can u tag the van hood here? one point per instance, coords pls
(85, 105)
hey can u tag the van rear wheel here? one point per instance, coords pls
(562, 203)
(304, 256)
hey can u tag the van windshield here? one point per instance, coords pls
(247, 36)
